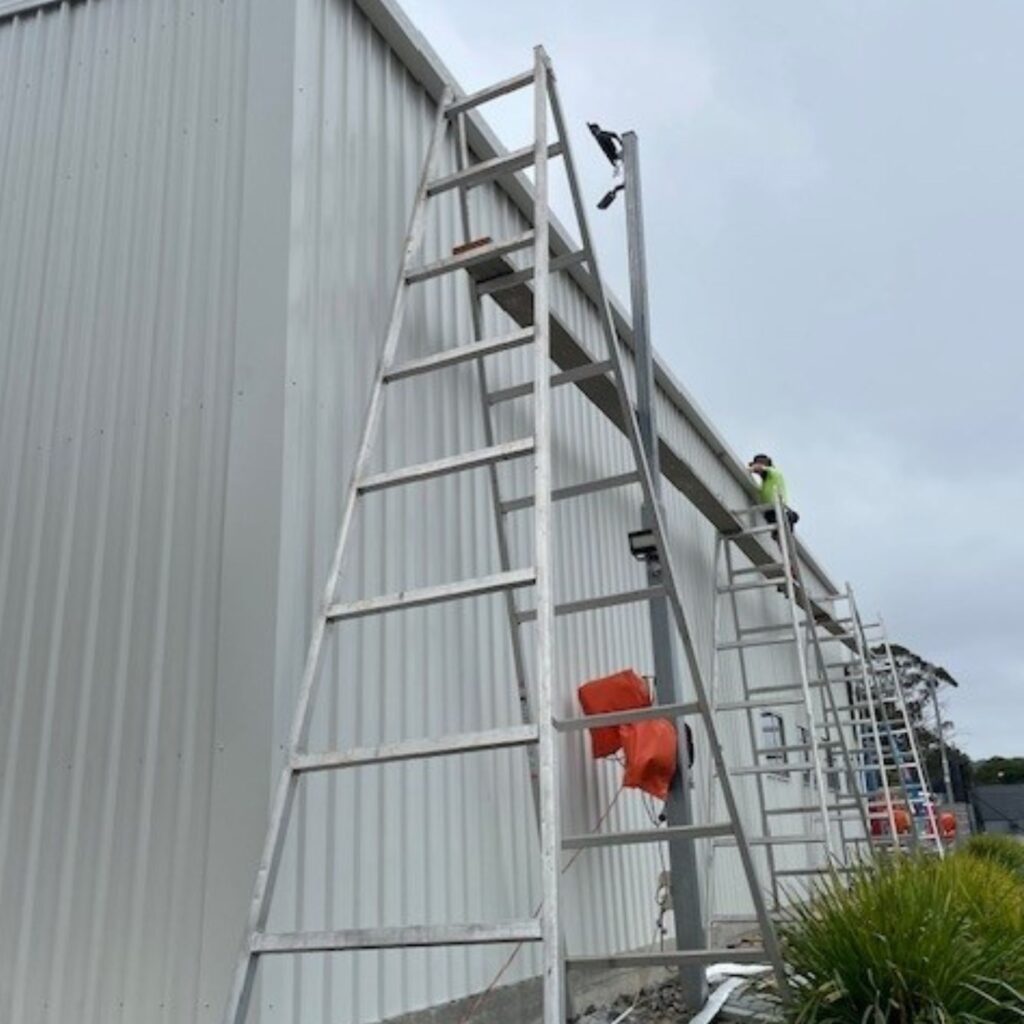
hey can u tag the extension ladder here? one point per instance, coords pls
(492, 274)
(889, 769)
(821, 756)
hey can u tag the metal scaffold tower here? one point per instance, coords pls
(526, 295)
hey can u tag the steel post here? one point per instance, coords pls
(686, 907)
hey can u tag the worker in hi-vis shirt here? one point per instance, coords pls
(773, 484)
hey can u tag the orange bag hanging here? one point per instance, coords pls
(651, 749)
(621, 691)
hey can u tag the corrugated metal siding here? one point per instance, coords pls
(119, 172)
(191, 311)
(362, 127)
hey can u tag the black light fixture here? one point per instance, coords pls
(643, 545)
(611, 146)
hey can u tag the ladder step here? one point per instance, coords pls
(488, 170)
(396, 938)
(754, 705)
(785, 687)
(518, 277)
(810, 809)
(754, 569)
(667, 958)
(450, 464)
(573, 376)
(607, 483)
(632, 715)
(594, 603)
(469, 258)
(432, 595)
(790, 840)
(735, 588)
(765, 641)
(797, 872)
(412, 750)
(492, 92)
(751, 531)
(462, 354)
(590, 840)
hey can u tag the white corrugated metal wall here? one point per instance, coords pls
(207, 203)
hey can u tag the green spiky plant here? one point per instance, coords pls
(1003, 850)
(910, 940)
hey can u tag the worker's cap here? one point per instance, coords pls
(763, 459)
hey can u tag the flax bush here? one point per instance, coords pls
(910, 940)
(1003, 850)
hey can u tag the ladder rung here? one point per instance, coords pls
(414, 750)
(794, 748)
(590, 604)
(396, 938)
(432, 595)
(607, 483)
(478, 254)
(751, 531)
(573, 376)
(754, 705)
(621, 717)
(518, 277)
(810, 809)
(589, 840)
(784, 687)
(492, 92)
(782, 768)
(790, 840)
(764, 567)
(488, 170)
(735, 588)
(464, 353)
(450, 464)
(765, 641)
(667, 958)
(796, 872)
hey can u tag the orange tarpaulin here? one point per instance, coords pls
(649, 746)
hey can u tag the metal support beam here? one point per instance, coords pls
(685, 889)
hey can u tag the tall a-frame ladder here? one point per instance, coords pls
(539, 731)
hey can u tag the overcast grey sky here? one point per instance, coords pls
(834, 226)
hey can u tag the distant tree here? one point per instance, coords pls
(918, 678)
(996, 771)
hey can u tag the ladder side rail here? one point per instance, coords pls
(550, 842)
(284, 796)
(526, 710)
(915, 753)
(899, 762)
(752, 729)
(771, 943)
(867, 681)
(830, 710)
(817, 754)
(710, 804)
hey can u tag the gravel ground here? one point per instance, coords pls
(662, 1004)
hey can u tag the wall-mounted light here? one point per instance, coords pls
(643, 545)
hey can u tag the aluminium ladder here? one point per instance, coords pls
(900, 738)
(809, 691)
(890, 770)
(488, 267)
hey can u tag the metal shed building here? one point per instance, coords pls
(202, 205)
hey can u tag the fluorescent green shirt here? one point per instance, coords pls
(772, 483)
